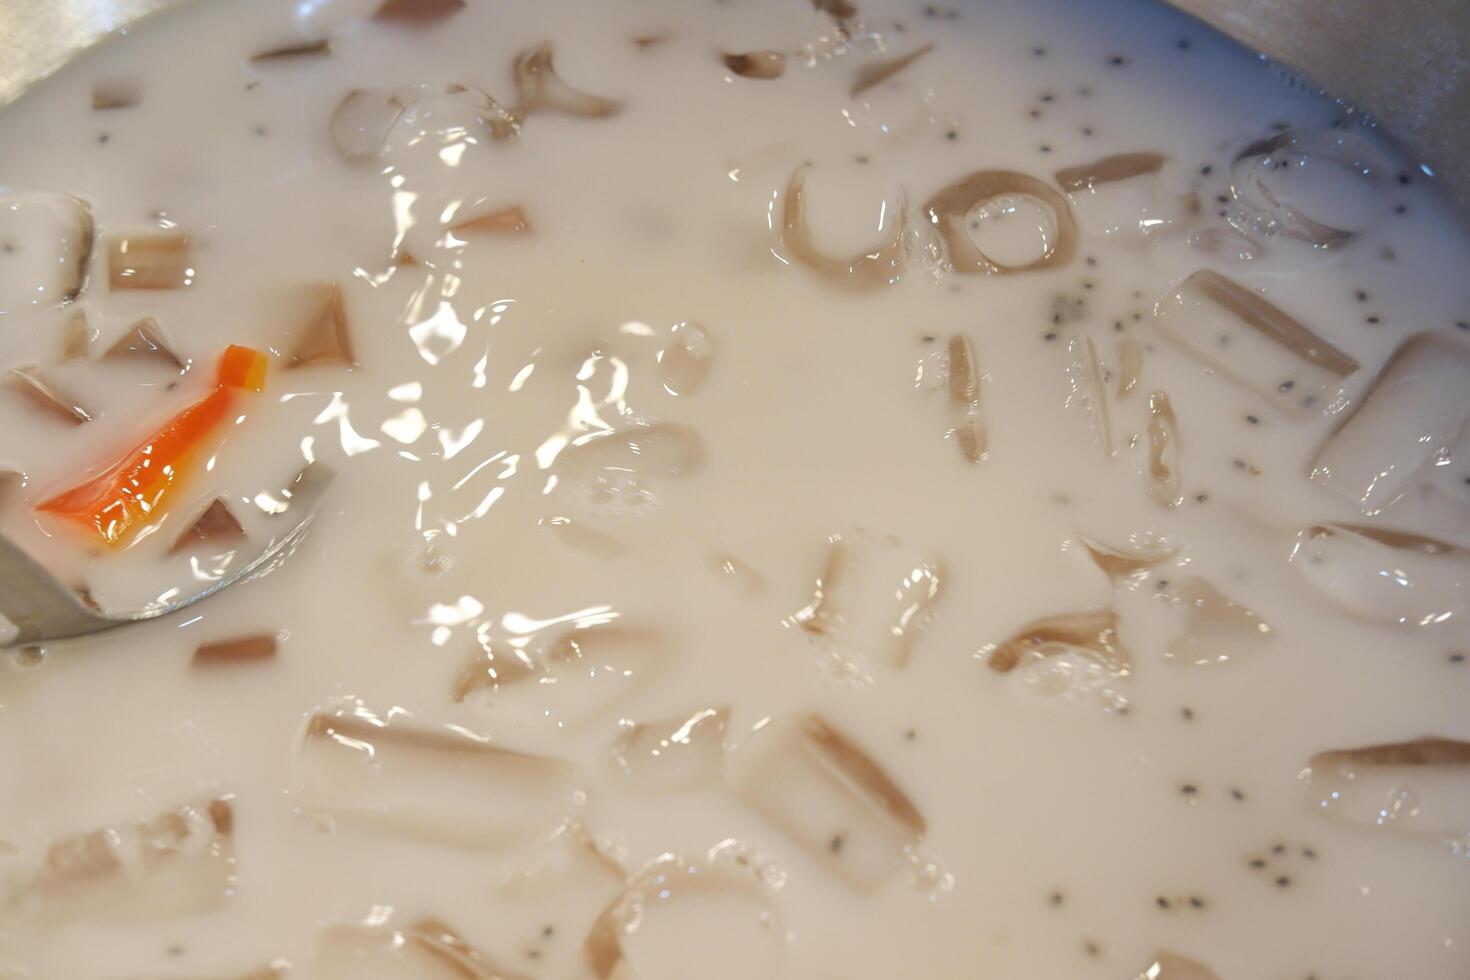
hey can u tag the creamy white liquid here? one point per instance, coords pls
(1066, 835)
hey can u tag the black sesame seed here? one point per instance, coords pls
(1034, 113)
(1183, 44)
(1084, 90)
(1463, 324)
(103, 137)
(1283, 881)
(548, 932)
(259, 130)
(1401, 209)
(1206, 170)
(1373, 319)
(1222, 198)
(1055, 899)
(910, 735)
(1038, 52)
(1116, 60)
(1286, 386)
(1278, 849)
(1200, 498)
(1404, 179)
(1236, 794)
(1457, 658)
(1361, 296)
(1044, 148)
(952, 135)
(861, 159)
(1309, 854)
(1092, 948)
(1189, 789)
(1253, 420)
(1048, 97)
(1196, 902)
(1188, 713)
(1049, 336)
(1257, 863)
(1090, 260)
(835, 844)
(1161, 902)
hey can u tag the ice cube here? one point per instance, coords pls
(46, 244)
(829, 796)
(1254, 342)
(438, 782)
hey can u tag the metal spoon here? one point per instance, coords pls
(42, 608)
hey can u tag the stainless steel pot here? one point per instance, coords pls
(1406, 64)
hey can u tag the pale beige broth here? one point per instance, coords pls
(683, 605)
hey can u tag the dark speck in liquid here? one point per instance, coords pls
(1117, 60)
